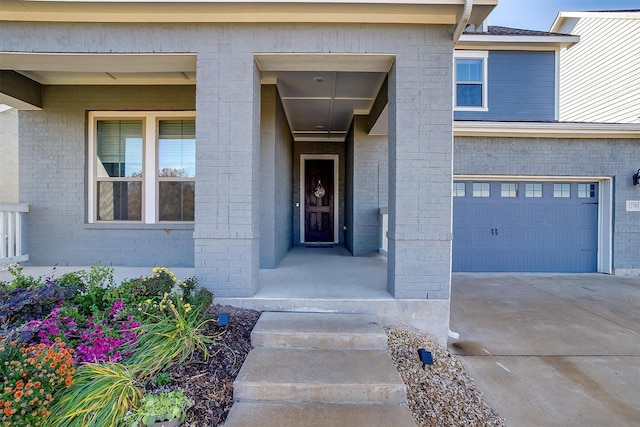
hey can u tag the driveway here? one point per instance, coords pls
(551, 350)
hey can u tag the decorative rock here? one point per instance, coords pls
(443, 394)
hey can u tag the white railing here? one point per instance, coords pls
(384, 228)
(11, 232)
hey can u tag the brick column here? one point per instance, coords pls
(420, 173)
(226, 233)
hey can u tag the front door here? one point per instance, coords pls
(319, 203)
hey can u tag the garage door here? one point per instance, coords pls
(525, 226)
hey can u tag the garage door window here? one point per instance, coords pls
(481, 189)
(508, 189)
(533, 190)
(586, 191)
(458, 189)
(562, 190)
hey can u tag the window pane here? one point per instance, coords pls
(561, 190)
(533, 190)
(119, 201)
(586, 191)
(459, 189)
(119, 148)
(176, 200)
(177, 148)
(481, 189)
(469, 70)
(508, 189)
(469, 95)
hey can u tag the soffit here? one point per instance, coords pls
(308, 11)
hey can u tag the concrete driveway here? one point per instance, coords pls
(551, 350)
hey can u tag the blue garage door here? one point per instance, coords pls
(525, 226)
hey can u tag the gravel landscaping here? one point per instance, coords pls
(443, 394)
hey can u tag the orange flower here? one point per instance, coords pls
(58, 339)
(72, 371)
(19, 385)
(7, 412)
(36, 384)
(18, 394)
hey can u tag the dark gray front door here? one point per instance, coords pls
(319, 203)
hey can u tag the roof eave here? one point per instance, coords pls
(502, 42)
(547, 129)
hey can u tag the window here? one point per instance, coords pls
(509, 189)
(470, 81)
(481, 189)
(459, 189)
(533, 190)
(142, 167)
(586, 191)
(561, 190)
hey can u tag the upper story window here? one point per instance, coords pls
(142, 167)
(470, 93)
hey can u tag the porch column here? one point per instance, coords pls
(420, 173)
(226, 232)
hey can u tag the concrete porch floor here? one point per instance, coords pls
(316, 279)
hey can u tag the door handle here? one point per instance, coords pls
(494, 231)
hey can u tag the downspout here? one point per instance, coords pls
(464, 20)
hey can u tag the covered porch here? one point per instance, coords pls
(312, 279)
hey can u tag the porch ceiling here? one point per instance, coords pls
(321, 93)
(97, 69)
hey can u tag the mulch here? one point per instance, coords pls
(209, 384)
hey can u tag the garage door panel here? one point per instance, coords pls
(550, 233)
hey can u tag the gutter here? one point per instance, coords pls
(464, 20)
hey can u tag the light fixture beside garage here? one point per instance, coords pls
(636, 177)
(318, 79)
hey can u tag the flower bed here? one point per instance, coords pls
(79, 350)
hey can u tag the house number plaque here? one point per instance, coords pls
(319, 190)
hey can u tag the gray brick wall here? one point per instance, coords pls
(370, 184)
(53, 176)
(420, 163)
(617, 158)
(9, 156)
(228, 132)
(276, 186)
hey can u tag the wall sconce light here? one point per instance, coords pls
(636, 178)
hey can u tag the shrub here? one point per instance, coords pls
(100, 396)
(32, 375)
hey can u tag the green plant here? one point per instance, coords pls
(165, 406)
(20, 280)
(100, 396)
(162, 378)
(172, 331)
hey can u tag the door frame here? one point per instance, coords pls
(336, 200)
(605, 207)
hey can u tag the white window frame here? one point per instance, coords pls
(150, 179)
(472, 54)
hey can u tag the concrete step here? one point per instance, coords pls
(310, 375)
(290, 414)
(319, 330)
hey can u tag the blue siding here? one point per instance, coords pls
(521, 87)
